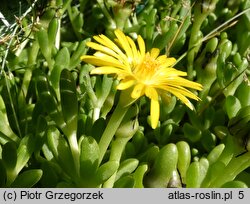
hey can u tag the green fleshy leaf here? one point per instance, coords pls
(27, 179)
(62, 61)
(139, 175)
(139, 141)
(52, 30)
(81, 50)
(41, 128)
(127, 167)
(214, 170)
(204, 166)
(163, 168)
(89, 158)
(232, 106)
(184, 158)
(150, 154)
(6, 133)
(192, 133)
(63, 58)
(125, 182)
(44, 44)
(61, 151)
(192, 176)
(215, 153)
(234, 184)
(69, 101)
(243, 94)
(106, 171)
(47, 97)
(24, 152)
(98, 128)
(208, 140)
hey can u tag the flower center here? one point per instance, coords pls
(146, 69)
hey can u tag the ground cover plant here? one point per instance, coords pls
(128, 94)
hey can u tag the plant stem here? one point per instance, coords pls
(75, 151)
(96, 113)
(111, 128)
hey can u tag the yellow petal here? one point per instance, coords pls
(151, 93)
(183, 99)
(178, 81)
(162, 59)
(154, 105)
(104, 49)
(170, 61)
(107, 70)
(95, 60)
(125, 84)
(154, 52)
(101, 59)
(141, 46)
(105, 41)
(182, 91)
(124, 43)
(102, 39)
(138, 91)
(171, 72)
(154, 112)
(133, 47)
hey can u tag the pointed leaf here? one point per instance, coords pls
(61, 151)
(62, 61)
(69, 101)
(48, 100)
(52, 30)
(41, 128)
(63, 57)
(81, 50)
(44, 44)
(24, 152)
(6, 133)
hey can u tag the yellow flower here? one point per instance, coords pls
(146, 73)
